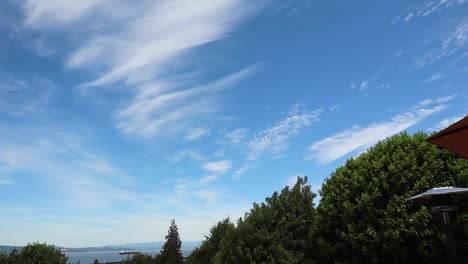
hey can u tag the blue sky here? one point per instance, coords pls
(117, 116)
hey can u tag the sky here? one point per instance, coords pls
(117, 116)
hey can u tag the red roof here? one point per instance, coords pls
(453, 138)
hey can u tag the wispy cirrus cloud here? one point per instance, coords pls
(20, 96)
(186, 154)
(154, 110)
(64, 162)
(292, 8)
(434, 78)
(360, 138)
(446, 45)
(50, 13)
(147, 47)
(273, 142)
(446, 122)
(425, 9)
(196, 134)
(218, 167)
(236, 137)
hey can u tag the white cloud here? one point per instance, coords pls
(162, 32)
(21, 97)
(446, 123)
(273, 142)
(359, 138)
(425, 9)
(364, 85)
(65, 163)
(196, 134)
(208, 196)
(408, 17)
(218, 167)
(292, 8)
(448, 45)
(427, 102)
(433, 78)
(183, 154)
(237, 136)
(244, 168)
(42, 13)
(334, 108)
(149, 48)
(154, 111)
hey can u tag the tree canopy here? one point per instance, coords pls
(275, 231)
(34, 253)
(363, 216)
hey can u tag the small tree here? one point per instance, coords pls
(170, 252)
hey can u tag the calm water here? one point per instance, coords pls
(103, 256)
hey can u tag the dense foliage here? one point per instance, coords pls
(275, 231)
(363, 216)
(34, 254)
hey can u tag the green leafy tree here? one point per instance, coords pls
(363, 216)
(170, 252)
(275, 231)
(209, 247)
(35, 253)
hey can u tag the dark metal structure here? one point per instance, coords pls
(443, 201)
(453, 138)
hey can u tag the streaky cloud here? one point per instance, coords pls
(359, 138)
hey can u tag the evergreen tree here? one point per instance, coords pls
(170, 252)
